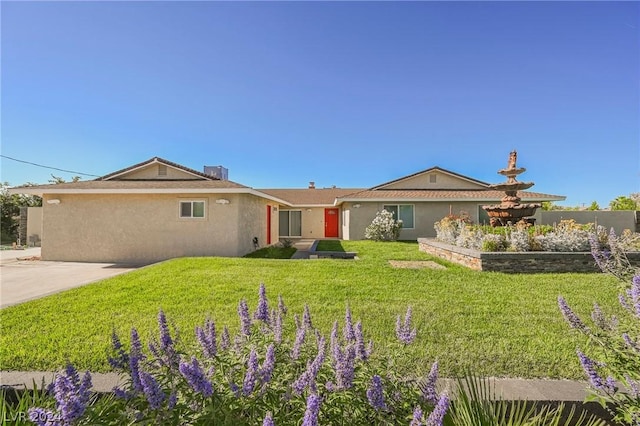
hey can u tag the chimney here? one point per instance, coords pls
(312, 185)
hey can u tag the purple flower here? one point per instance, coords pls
(344, 365)
(297, 344)
(361, 351)
(306, 317)
(225, 340)
(173, 400)
(135, 356)
(570, 316)
(282, 308)
(437, 415)
(634, 292)
(429, 393)
(269, 363)
(72, 396)
(589, 367)
(245, 320)
(262, 312)
(347, 331)
(623, 301)
(308, 377)
(633, 386)
(152, 390)
(268, 420)
(403, 330)
(121, 360)
(417, 417)
(375, 394)
(277, 329)
(120, 393)
(166, 343)
(251, 375)
(207, 338)
(334, 336)
(196, 377)
(312, 411)
(630, 343)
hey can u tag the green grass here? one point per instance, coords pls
(272, 252)
(491, 323)
(330, 245)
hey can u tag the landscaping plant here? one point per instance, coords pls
(272, 373)
(383, 227)
(612, 358)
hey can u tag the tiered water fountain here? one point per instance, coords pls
(510, 210)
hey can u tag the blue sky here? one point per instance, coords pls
(341, 93)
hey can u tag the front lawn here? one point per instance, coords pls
(494, 324)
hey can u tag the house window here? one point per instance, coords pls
(192, 209)
(290, 222)
(403, 212)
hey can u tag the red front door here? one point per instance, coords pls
(331, 223)
(268, 225)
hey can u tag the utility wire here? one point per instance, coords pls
(47, 167)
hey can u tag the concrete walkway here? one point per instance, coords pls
(508, 389)
(24, 277)
(303, 249)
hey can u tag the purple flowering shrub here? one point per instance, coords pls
(615, 382)
(272, 372)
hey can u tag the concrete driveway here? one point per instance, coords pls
(24, 277)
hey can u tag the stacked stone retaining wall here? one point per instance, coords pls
(510, 262)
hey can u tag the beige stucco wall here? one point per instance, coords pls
(151, 172)
(34, 225)
(425, 215)
(147, 228)
(443, 181)
(313, 221)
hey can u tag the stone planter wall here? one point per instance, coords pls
(523, 262)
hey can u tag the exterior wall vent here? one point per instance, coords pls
(217, 172)
(432, 178)
(162, 170)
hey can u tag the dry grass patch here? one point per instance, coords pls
(416, 264)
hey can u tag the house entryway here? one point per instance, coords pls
(331, 223)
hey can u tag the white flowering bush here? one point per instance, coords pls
(493, 242)
(469, 237)
(383, 227)
(519, 238)
(567, 236)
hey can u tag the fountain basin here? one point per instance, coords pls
(512, 213)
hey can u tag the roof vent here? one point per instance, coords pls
(312, 185)
(217, 172)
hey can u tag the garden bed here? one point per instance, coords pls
(516, 262)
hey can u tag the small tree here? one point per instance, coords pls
(383, 227)
(594, 206)
(623, 203)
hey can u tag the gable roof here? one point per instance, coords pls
(156, 160)
(429, 170)
(310, 197)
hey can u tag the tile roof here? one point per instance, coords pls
(443, 195)
(105, 185)
(310, 197)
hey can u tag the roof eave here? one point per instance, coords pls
(61, 191)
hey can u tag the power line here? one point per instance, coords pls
(47, 167)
